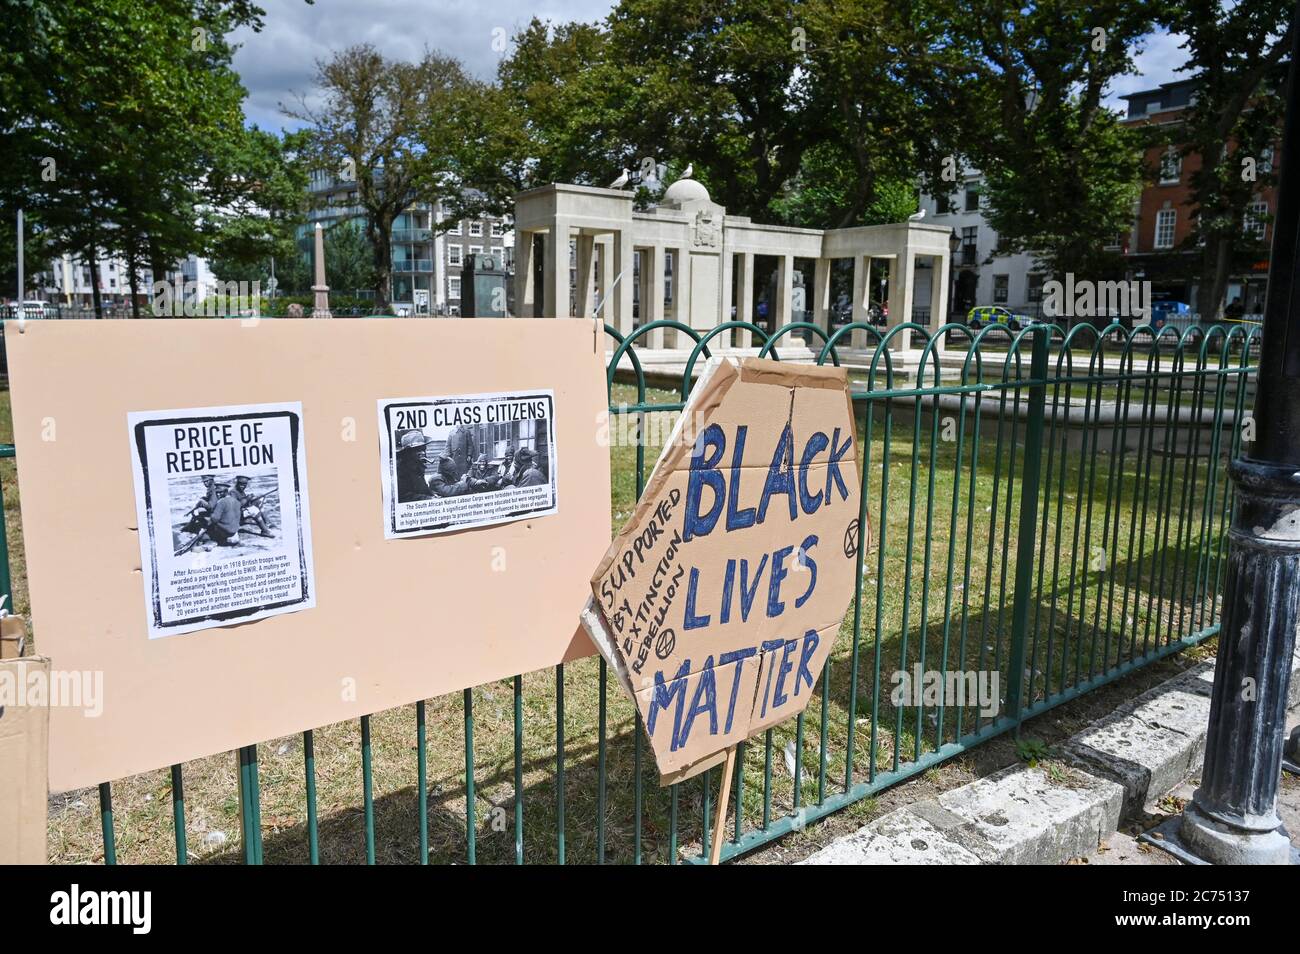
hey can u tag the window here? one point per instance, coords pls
(1171, 167)
(1165, 220)
(969, 241)
(454, 254)
(453, 288)
(496, 253)
(1256, 220)
(476, 228)
(1265, 164)
(476, 249)
(1001, 284)
(1034, 288)
(942, 204)
(454, 230)
(972, 199)
(668, 278)
(498, 230)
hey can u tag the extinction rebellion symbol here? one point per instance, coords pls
(851, 536)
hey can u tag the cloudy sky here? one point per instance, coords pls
(279, 62)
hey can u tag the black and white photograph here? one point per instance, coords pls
(225, 534)
(450, 463)
(226, 514)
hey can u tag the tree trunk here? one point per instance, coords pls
(93, 257)
(1213, 288)
(131, 281)
(383, 244)
(158, 266)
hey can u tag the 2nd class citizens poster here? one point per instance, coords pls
(224, 521)
(470, 460)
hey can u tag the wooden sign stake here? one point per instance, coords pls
(724, 796)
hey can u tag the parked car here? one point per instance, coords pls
(982, 315)
(38, 309)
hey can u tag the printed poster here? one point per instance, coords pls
(470, 460)
(225, 529)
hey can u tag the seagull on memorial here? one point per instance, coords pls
(916, 216)
(689, 170)
(621, 180)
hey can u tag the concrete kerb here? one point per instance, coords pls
(1114, 769)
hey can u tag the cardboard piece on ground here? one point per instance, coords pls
(24, 747)
(433, 614)
(718, 603)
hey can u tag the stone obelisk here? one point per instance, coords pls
(321, 309)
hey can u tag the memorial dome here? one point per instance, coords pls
(686, 190)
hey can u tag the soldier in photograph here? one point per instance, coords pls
(481, 478)
(526, 466)
(411, 483)
(445, 483)
(198, 516)
(251, 506)
(507, 476)
(223, 526)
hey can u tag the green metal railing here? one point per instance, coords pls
(1048, 511)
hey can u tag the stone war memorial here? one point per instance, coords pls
(713, 265)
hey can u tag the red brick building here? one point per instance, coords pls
(1157, 249)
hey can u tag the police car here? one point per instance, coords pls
(983, 315)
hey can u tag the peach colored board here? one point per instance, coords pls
(719, 602)
(395, 620)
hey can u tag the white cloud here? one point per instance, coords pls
(1157, 63)
(281, 60)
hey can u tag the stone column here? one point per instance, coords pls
(525, 302)
(584, 290)
(621, 293)
(321, 290)
(939, 277)
(727, 270)
(556, 276)
(822, 295)
(652, 306)
(745, 298)
(606, 266)
(861, 298)
(783, 307)
(681, 297)
(901, 276)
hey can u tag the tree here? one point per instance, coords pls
(349, 260)
(1023, 87)
(262, 221)
(390, 127)
(1236, 55)
(118, 119)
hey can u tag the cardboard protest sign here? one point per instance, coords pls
(24, 750)
(718, 603)
(448, 463)
(221, 500)
(395, 621)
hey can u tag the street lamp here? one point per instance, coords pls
(1233, 817)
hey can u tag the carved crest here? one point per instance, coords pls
(707, 229)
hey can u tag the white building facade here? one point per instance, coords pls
(425, 277)
(983, 274)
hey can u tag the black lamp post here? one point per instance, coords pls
(1233, 818)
